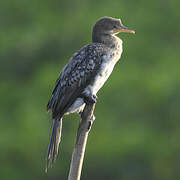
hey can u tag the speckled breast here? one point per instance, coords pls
(108, 63)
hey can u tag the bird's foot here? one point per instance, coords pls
(89, 98)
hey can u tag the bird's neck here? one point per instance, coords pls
(111, 41)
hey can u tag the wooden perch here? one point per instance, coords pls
(80, 143)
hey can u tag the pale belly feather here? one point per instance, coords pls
(102, 76)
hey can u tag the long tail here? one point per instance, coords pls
(54, 141)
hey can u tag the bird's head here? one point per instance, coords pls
(109, 25)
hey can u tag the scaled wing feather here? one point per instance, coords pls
(75, 76)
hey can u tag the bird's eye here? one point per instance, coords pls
(114, 26)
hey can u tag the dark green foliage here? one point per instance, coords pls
(136, 132)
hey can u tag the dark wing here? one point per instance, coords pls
(75, 76)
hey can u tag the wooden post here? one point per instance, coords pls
(80, 143)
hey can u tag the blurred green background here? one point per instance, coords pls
(136, 132)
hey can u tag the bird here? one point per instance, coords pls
(83, 76)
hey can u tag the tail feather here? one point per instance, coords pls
(54, 141)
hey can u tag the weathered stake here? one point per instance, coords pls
(80, 143)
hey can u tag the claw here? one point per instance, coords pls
(89, 99)
(93, 98)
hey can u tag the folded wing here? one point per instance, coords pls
(75, 76)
